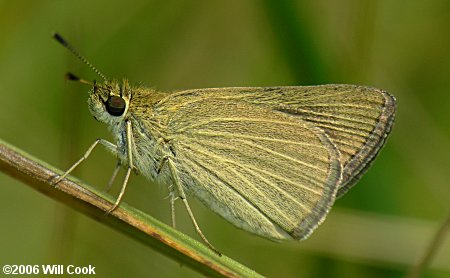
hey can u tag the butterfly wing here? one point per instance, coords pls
(357, 119)
(265, 171)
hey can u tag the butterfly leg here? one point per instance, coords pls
(113, 177)
(179, 187)
(172, 190)
(130, 141)
(108, 145)
(172, 196)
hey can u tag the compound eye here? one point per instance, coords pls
(115, 105)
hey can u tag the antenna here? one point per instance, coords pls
(73, 77)
(67, 45)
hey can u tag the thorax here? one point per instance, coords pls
(148, 146)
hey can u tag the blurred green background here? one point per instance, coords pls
(379, 229)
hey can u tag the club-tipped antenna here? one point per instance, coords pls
(72, 77)
(67, 45)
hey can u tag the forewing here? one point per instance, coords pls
(265, 171)
(357, 119)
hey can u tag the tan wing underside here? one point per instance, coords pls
(264, 171)
(357, 119)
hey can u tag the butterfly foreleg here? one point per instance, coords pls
(108, 145)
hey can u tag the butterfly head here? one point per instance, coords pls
(109, 101)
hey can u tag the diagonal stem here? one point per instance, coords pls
(136, 224)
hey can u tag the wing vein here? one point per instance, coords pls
(237, 164)
(258, 175)
(251, 137)
(348, 119)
